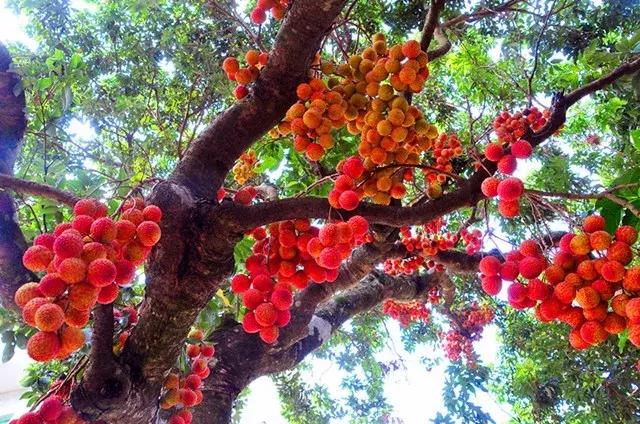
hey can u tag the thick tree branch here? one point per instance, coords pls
(467, 194)
(213, 153)
(36, 189)
(232, 372)
(430, 23)
(13, 123)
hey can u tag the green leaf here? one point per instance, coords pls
(8, 351)
(635, 138)
(612, 212)
(622, 340)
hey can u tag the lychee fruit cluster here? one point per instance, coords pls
(51, 411)
(445, 148)
(84, 261)
(312, 119)
(288, 255)
(244, 168)
(590, 283)
(345, 194)
(244, 76)
(510, 128)
(458, 342)
(277, 9)
(183, 393)
(406, 312)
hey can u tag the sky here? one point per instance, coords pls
(413, 392)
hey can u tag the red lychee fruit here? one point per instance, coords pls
(330, 258)
(49, 317)
(626, 234)
(537, 290)
(531, 267)
(269, 335)
(72, 270)
(108, 294)
(587, 298)
(252, 298)
(240, 283)
(353, 167)
(148, 233)
(507, 164)
(593, 332)
(490, 266)
(125, 272)
(510, 189)
(249, 323)
(565, 292)
(45, 240)
(593, 223)
(101, 272)
(82, 223)
(85, 207)
(554, 274)
(51, 408)
(491, 285)
(328, 235)
(576, 341)
(580, 244)
(281, 299)
(509, 209)
(359, 225)
(632, 310)
(521, 149)
(517, 293)
(103, 230)
(509, 270)
(620, 251)
(599, 240)
(27, 292)
(83, 296)
(266, 314)
(612, 271)
(493, 152)
(489, 187)
(37, 258)
(43, 346)
(614, 323)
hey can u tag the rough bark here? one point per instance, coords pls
(13, 123)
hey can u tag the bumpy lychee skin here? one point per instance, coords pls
(554, 274)
(269, 335)
(329, 235)
(282, 299)
(537, 290)
(30, 309)
(266, 314)
(593, 223)
(125, 272)
(108, 294)
(507, 164)
(489, 187)
(101, 272)
(600, 240)
(634, 334)
(509, 270)
(83, 296)
(76, 318)
(25, 293)
(613, 271)
(359, 225)
(103, 230)
(614, 323)
(531, 267)
(71, 339)
(587, 298)
(604, 289)
(262, 282)
(620, 251)
(51, 285)
(632, 310)
(565, 292)
(348, 200)
(240, 283)
(580, 244)
(252, 298)
(593, 332)
(45, 240)
(521, 149)
(517, 293)
(85, 207)
(491, 285)
(587, 270)
(152, 213)
(249, 323)
(626, 234)
(493, 152)
(632, 279)
(576, 341)
(551, 308)
(43, 346)
(510, 189)
(490, 266)
(37, 258)
(353, 167)
(572, 316)
(49, 317)
(72, 270)
(125, 230)
(148, 233)
(599, 313)
(509, 209)
(51, 408)
(330, 258)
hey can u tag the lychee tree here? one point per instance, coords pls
(249, 181)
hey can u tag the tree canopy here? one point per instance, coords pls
(254, 183)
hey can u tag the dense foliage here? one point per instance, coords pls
(118, 91)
